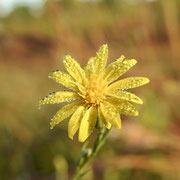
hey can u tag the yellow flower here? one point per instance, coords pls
(93, 93)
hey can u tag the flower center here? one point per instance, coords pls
(94, 92)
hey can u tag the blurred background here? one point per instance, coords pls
(36, 34)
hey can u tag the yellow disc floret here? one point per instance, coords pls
(94, 91)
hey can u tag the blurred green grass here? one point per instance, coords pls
(32, 45)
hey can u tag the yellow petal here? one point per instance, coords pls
(89, 67)
(118, 68)
(111, 114)
(74, 121)
(123, 106)
(103, 119)
(128, 83)
(64, 112)
(87, 123)
(63, 78)
(74, 69)
(97, 64)
(126, 96)
(101, 58)
(58, 97)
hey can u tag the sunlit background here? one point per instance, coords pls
(36, 34)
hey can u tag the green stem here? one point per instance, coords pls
(87, 154)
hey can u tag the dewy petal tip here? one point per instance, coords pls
(147, 80)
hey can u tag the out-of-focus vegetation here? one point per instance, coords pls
(32, 44)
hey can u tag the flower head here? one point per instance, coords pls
(93, 93)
